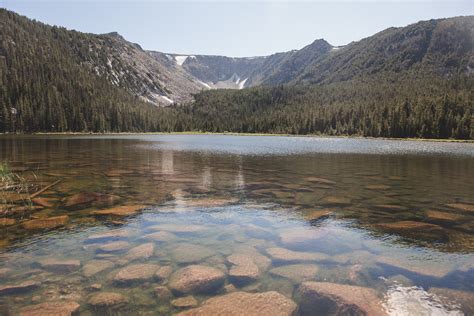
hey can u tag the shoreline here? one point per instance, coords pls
(237, 134)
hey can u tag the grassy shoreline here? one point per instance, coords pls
(236, 134)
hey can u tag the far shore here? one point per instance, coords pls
(235, 134)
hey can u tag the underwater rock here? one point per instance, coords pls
(135, 273)
(242, 303)
(125, 210)
(95, 266)
(296, 273)
(163, 293)
(437, 270)
(5, 221)
(46, 202)
(59, 266)
(115, 246)
(143, 251)
(107, 300)
(301, 238)
(184, 302)
(179, 229)
(60, 308)
(243, 269)
(46, 223)
(210, 202)
(90, 197)
(462, 206)
(163, 273)
(377, 187)
(160, 236)
(107, 236)
(442, 217)
(337, 299)
(190, 253)
(336, 201)
(413, 228)
(319, 180)
(316, 215)
(18, 288)
(196, 279)
(286, 255)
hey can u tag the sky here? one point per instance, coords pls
(235, 28)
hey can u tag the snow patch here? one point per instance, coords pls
(242, 83)
(166, 99)
(181, 59)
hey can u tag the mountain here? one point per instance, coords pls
(54, 79)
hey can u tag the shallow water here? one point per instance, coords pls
(392, 216)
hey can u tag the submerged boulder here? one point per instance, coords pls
(135, 273)
(125, 210)
(286, 255)
(190, 253)
(243, 303)
(196, 279)
(107, 300)
(23, 287)
(296, 273)
(46, 223)
(59, 266)
(243, 270)
(59, 308)
(323, 298)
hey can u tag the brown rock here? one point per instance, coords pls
(377, 187)
(390, 207)
(135, 273)
(210, 202)
(296, 273)
(125, 210)
(196, 279)
(107, 300)
(337, 201)
(143, 251)
(184, 302)
(163, 293)
(285, 255)
(46, 223)
(322, 298)
(59, 266)
(18, 288)
(442, 217)
(90, 197)
(462, 206)
(163, 273)
(60, 308)
(4, 272)
(190, 253)
(242, 303)
(417, 229)
(319, 180)
(5, 221)
(243, 270)
(95, 266)
(43, 201)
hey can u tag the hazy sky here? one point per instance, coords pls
(235, 28)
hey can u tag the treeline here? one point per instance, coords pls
(428, 107)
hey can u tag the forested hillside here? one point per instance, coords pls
(415, 81)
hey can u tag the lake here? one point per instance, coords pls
(207, 224)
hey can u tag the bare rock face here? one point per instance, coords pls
(323, 298)
(242, 303)
(196, 279)
(60, 308)
(285, 255)
(46, 223)
(18, 288)
(296, 273)
(107, 300)
(135, 273)
(60, 266)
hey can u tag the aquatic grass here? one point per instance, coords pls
(14, 188)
